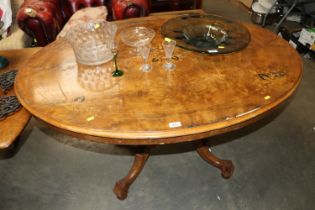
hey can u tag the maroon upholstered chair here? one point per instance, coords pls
(171, 5)
(43, 20)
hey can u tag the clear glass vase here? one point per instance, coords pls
(91, 42)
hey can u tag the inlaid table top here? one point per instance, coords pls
(205, 95)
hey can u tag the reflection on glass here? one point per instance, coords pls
(169, 46)
(204, 36)
(96, 77)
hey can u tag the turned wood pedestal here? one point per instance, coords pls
(141, 156)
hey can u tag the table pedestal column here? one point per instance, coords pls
(142, 154)
(122, 186)
(226, 166)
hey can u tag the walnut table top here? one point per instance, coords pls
(206, 95)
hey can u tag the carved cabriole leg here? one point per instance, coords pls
(122, 186)
(226, 166)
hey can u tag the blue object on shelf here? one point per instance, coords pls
(3, 62)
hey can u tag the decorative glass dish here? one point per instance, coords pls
(206, 33)
(137, 36)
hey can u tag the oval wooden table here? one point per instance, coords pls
(205, 96)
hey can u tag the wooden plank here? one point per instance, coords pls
(12, 126)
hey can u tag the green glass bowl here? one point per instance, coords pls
(204, 36)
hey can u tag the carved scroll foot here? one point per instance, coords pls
(226, 166)
(122, 186)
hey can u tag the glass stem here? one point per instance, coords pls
(115, 60)
(169, 60)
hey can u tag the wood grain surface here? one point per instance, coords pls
(13, 125)
(206, 95)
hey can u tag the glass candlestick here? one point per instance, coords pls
(169, 46)
(114, 49)
(144, 51)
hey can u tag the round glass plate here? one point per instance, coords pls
(206, 33)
